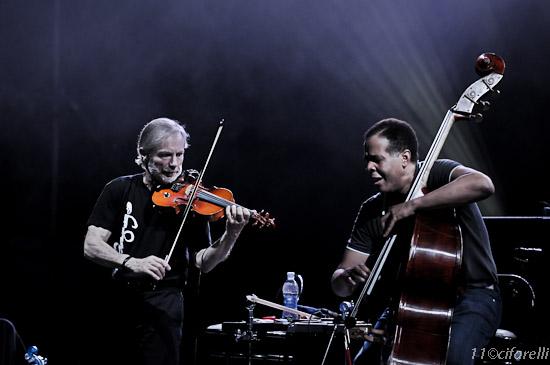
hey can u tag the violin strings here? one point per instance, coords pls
(212, 198)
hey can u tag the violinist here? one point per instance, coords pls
(390, 147)
(130, 236)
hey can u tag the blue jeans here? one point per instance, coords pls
(475, 320)
(374, 356)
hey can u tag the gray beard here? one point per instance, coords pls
(158, 177)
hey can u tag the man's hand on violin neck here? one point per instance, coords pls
(151, 265)
(237, 218)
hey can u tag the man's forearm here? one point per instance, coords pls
(98, 250)
(103, 254)
(208, 258)
(340, 283)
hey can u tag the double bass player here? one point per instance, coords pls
(391, 157)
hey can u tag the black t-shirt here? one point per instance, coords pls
(139, 229)
(478, 266)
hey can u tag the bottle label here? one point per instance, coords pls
(290, 301)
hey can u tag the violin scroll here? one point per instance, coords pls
(263, 220)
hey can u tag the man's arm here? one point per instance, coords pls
(99, 251)
(351, 272)
(466, 186)
(208, 258)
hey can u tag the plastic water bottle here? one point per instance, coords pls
(291, 292)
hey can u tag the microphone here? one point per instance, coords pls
(345, 311)
(322, 311)
(345, 308)
(32, 357)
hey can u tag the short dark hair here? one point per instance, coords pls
(399, 133)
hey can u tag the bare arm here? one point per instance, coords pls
(208, 258)
(466, 186)
(351, 272)
(99, 251)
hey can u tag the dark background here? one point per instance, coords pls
(297, 83)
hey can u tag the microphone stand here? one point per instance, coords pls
(196, 327)
(249, 335)
(348, 321)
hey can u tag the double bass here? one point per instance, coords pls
(431, 271)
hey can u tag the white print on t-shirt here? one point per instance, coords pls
(126, 235)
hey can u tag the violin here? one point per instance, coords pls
(208, 201)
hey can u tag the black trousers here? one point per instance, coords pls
(153, 325)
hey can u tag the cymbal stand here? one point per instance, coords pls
(249, 335)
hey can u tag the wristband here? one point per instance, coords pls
(123, 265)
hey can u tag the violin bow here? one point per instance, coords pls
(254, 299)
(195, 190)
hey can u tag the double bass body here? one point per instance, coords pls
(429, 288)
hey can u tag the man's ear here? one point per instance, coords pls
(405, 157)
(143, 155)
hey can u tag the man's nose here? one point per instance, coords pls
(370, 166)
(174, 161)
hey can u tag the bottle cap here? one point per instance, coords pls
(290, 275)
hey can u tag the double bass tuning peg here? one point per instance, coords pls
(485, 105)
(478, 117)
